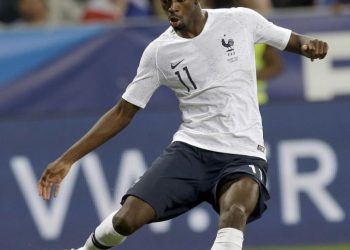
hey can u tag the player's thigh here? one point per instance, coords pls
(171, 185)
(242, 192)
(244, 184)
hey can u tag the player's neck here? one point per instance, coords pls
(196, 26)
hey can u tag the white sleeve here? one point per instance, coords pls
(146, 81)
(265, 31)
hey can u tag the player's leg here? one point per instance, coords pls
(167, 189)
(113, 230)
(237, 200)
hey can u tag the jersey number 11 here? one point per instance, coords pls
(189, 78)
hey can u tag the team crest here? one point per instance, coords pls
(228, 44)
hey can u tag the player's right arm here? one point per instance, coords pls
(110, 124)
(266, 32)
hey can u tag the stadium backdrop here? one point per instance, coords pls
(55, 83)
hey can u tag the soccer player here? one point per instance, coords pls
(217, 155)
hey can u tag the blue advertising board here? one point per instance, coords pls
(308, 178)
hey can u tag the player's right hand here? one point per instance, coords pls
(51, 178)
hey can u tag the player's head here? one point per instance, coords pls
(182, 13)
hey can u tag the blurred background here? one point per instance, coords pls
(63, 63)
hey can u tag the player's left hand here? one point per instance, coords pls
(315, 49)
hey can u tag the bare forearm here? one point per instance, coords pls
(296, 42)
(110, 124)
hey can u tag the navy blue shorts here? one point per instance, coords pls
(184, 176)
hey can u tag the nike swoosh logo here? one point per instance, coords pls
(173, 66)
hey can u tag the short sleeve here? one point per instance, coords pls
(146, 81)
(265, 31)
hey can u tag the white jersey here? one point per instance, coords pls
(214, 77)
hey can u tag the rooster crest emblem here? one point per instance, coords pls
(228, 45)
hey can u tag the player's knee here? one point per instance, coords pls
(238, 210)
(124, 224)
(233, 214)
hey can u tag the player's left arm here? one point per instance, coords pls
(307, 46)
